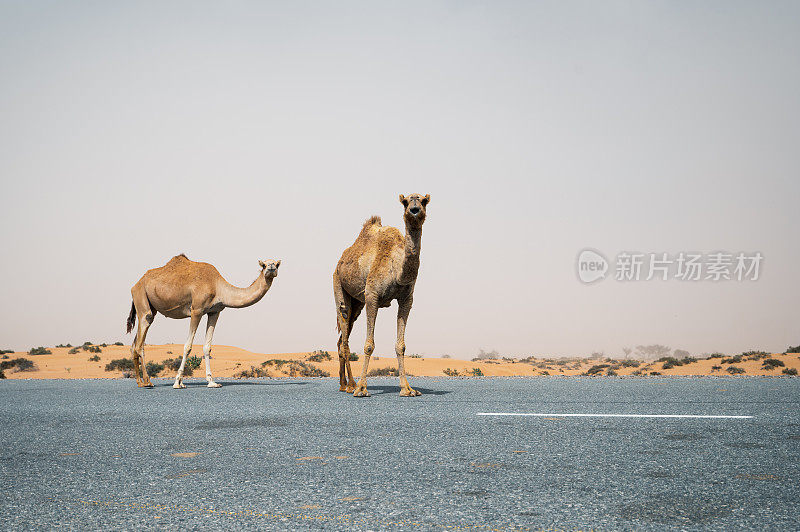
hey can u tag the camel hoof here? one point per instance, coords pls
(179, 385)
(410, 392)
(214, 385)
(145, 385)
(361, 391)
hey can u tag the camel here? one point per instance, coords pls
(186, 289)
(379, 267)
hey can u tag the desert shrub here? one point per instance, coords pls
(670, 362)
(594, 370)
(302, 369)
(656, 373)
(446, 356)
(795, 349)
(688, 360)
(476, 372)
(353, 357)
(630, 363)
(118, 343)
(716, 368)
(755, 355)
(104, 344)
(637, 372)
(23, 364)
(39, 351)
(545, 372)
(733, 360)
(611, 372)
(87, 343)
(64, 345)
(450, 372)
(5, 351)
(193, 362)
(73, 351)
(772, 363)
(154, 368)
(252, 373)
(2, 374)
(95, 358)
(415, 355)
(789, 371)
(91, 348)
(120, 364)
(487, 355)
(18, 364)
(174, 364)
(734, 370)
(383, 372)
(319, 355)
(277, 362)
(715, 355)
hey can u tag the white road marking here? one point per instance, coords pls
(692, 416)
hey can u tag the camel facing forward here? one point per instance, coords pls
(186, 289)
(379, 267)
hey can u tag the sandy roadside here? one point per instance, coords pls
(227, 361)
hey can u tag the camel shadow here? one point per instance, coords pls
(225, 384)
(381, 390)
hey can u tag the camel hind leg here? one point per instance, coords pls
(145, 316)
(344, 315)
(357, 307)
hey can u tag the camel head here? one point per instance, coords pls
(415, 208)
(269, 268)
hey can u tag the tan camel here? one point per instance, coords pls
(186, 289)
(379, 267)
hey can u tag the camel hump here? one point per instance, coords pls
(181, 256)
(373, 220)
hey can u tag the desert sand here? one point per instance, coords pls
(228, 361)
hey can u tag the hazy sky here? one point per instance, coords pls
(235, 131)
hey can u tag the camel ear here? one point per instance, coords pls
(277, 264)
(426, 200)
(403, 200)
(261, 263)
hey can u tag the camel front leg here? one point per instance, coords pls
(403, 310)
(210, 324)
(369, 345)
(187, 348)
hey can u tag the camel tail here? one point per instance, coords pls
(132, 317)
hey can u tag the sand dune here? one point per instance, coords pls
(228, 361)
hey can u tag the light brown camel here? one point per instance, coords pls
(379, 267)
(186, 289)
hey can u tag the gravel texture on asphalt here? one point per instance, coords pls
(298, 454)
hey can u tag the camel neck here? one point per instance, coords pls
(236, 297)
(413, 245)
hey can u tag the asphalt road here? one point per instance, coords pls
(297, 454)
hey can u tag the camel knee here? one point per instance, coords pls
(369, 347)
(400, 348)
